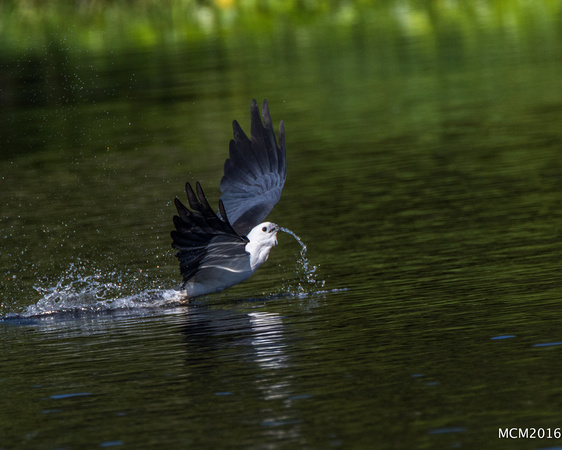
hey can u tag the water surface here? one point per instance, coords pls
(424, 176)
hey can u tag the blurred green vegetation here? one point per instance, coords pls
(97, 25)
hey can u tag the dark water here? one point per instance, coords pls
(425, 178)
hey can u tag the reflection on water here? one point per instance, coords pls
(258, 335)
(219, 340)
(268, 340)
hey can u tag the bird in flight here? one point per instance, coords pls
(217, 251)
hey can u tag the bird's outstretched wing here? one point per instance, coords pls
(209, 248)
(255, 173)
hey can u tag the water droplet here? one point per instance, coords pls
(308, 269)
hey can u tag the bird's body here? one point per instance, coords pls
(219, 251)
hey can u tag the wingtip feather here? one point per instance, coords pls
(267, 123)
(202, 199)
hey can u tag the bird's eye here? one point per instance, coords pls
(264, 229)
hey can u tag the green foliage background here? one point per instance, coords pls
(98, 25)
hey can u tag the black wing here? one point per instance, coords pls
(203, 239)
(255, 173)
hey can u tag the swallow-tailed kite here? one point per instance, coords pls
(219, 251)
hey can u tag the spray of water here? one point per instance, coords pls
(82, 288)
(306, 268)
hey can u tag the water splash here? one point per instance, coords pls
(83, 288)
(306, 268)
(78, 290)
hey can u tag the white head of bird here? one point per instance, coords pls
(263, 238)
